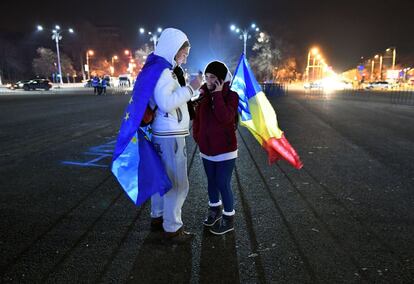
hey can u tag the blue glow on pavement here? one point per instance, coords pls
(99, 153)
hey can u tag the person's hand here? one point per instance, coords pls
(196, 82)
(219, 85)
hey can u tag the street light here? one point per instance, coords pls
(131, 63)
(115, 57)
(89, 53)
(153, 36)
(377, 56)
(314, 51)
(394, 55)
(56, 36)
(372, 68)
(244, 34)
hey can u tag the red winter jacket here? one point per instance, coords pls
(214, 125)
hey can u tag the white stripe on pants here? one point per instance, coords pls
(173, 155)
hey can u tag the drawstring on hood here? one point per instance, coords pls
(169, 44)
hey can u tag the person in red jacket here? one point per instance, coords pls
(214, 130)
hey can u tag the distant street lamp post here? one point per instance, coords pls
(244, 34)
(153, 36)
(115, 57)
(312, 52)
(56, 36)
(380, 68)
(394, 55)
(131, 61)
(89, 53)
(128, 53)
(372, 67)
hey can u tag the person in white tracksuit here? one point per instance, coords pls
(169, 129)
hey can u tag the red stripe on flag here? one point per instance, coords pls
(281, 149)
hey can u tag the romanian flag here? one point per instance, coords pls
(135, 163)
(258, 115)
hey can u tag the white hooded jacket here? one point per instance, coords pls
(172, 118)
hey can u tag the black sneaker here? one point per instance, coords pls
(225, 225)
(214, 214)
(156, 224)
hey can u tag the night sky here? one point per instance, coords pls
(344, 30)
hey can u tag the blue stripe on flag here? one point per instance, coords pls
(245, 85)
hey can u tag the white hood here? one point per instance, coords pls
(169, 43)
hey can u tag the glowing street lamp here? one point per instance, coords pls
(312, 52)
(128, 53)
(244, 34)
(372, 68)
(56, 36)
(377, 56)
(113, 58)
(89, 53)
(153, 36)
(394, 55)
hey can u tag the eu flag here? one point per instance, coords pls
(257, 115)
(135, 163)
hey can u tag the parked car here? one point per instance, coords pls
(382, 85)
(124, 80)
(18, 84)
(37, 84)
(313, 85)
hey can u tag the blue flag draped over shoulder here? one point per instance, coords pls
(135, 163)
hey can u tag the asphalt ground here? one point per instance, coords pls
(346, 217)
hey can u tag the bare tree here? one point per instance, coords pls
(142, 54)
(46, 63)
(287, 71)
(266, 57)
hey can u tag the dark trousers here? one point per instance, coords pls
(219, 182)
